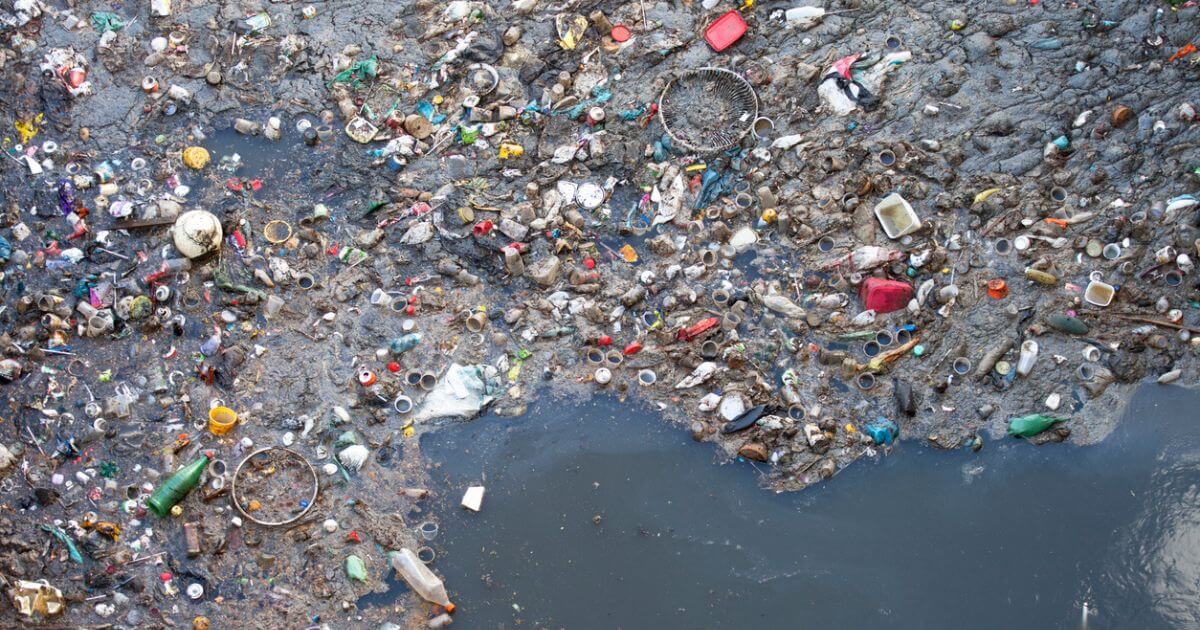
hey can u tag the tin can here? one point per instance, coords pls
(191, 533)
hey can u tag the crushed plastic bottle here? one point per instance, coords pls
(420, 578)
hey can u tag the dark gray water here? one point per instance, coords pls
(1014, 536)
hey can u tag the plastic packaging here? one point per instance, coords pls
(420, 578)
(885, 296)
(725, 31)
(355, 569)
(882, 431)
(1099, 293)
(405, 343)
(896, 216)
(1029, 353)
(221, 420)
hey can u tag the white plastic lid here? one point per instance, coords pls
(589, 195)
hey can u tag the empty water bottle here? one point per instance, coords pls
(420, 578)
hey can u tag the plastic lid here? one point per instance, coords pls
(620, 33)
(726, 30)
(589, 195)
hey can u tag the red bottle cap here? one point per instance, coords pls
(620, 33)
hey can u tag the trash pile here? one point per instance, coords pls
(250, 253)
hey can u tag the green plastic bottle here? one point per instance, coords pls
(177, 487)
(1031, 425)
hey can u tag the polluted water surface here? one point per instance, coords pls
(598, 515)
(255, 257)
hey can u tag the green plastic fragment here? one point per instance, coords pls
(355, 568)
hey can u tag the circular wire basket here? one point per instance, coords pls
(708, 109)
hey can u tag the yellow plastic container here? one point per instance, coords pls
(221, 420)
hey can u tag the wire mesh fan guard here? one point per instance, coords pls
(708, 109)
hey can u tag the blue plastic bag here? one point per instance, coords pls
(883, 431)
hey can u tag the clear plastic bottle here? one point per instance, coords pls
(420, 578)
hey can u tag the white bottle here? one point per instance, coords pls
(1029, 352)
(419, 577)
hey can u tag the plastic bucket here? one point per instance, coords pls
(221, 420)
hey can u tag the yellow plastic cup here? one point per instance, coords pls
(221, 420)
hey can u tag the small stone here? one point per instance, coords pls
(1187, 112)
(511, 36)
(213, 78)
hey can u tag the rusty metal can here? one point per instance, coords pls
(191, 533)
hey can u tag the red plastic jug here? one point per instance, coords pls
(885, 296)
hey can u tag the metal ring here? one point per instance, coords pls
(237, 473)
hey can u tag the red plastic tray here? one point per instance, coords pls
(725, 31)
